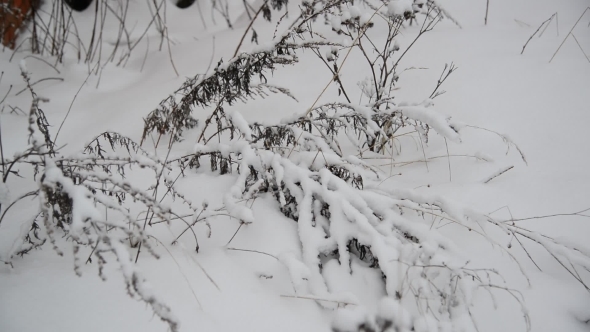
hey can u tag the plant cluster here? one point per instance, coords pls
(316, 165)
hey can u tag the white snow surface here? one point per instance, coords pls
(399, 7)
(250, 273)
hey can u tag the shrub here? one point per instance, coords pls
(316, 165)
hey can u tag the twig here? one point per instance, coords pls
(236, 233)
(39, 81)
(6, 95)
(246, 4)
(487, 10)
(504, 170)
(256, 251)
(7, 263)
(539, 28)
(316, 299)
(201, 14)
(527, 252)
(579, 214)
(569, 33)
(362, 33)
(581, 49)
(248, 28)
(506, 139)
(179, 270)
(521, 23)
(442, 79)
(2, 153)
(556, 26)
(357, 39)
(424, 154)
(212, 55)
(43, 60)
(31, 193)
(170, 53)
(72, 104)
(449, 161)
(204, 271)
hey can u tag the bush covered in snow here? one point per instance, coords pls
(318, 165)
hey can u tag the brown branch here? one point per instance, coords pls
(539, 28)
(498, 174)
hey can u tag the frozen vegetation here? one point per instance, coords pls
(273, 165)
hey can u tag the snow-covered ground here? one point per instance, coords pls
(543, 107)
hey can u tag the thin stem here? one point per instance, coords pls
(568, 34)
(487, 10)
(249, 26)
(255, 251)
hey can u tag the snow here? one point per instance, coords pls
(354, 11)
(23, 66)
(433, 119)
(297, 270)
(238, 121)
(365, 18)
(276, 283)
(336, 23)
(399, 7)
